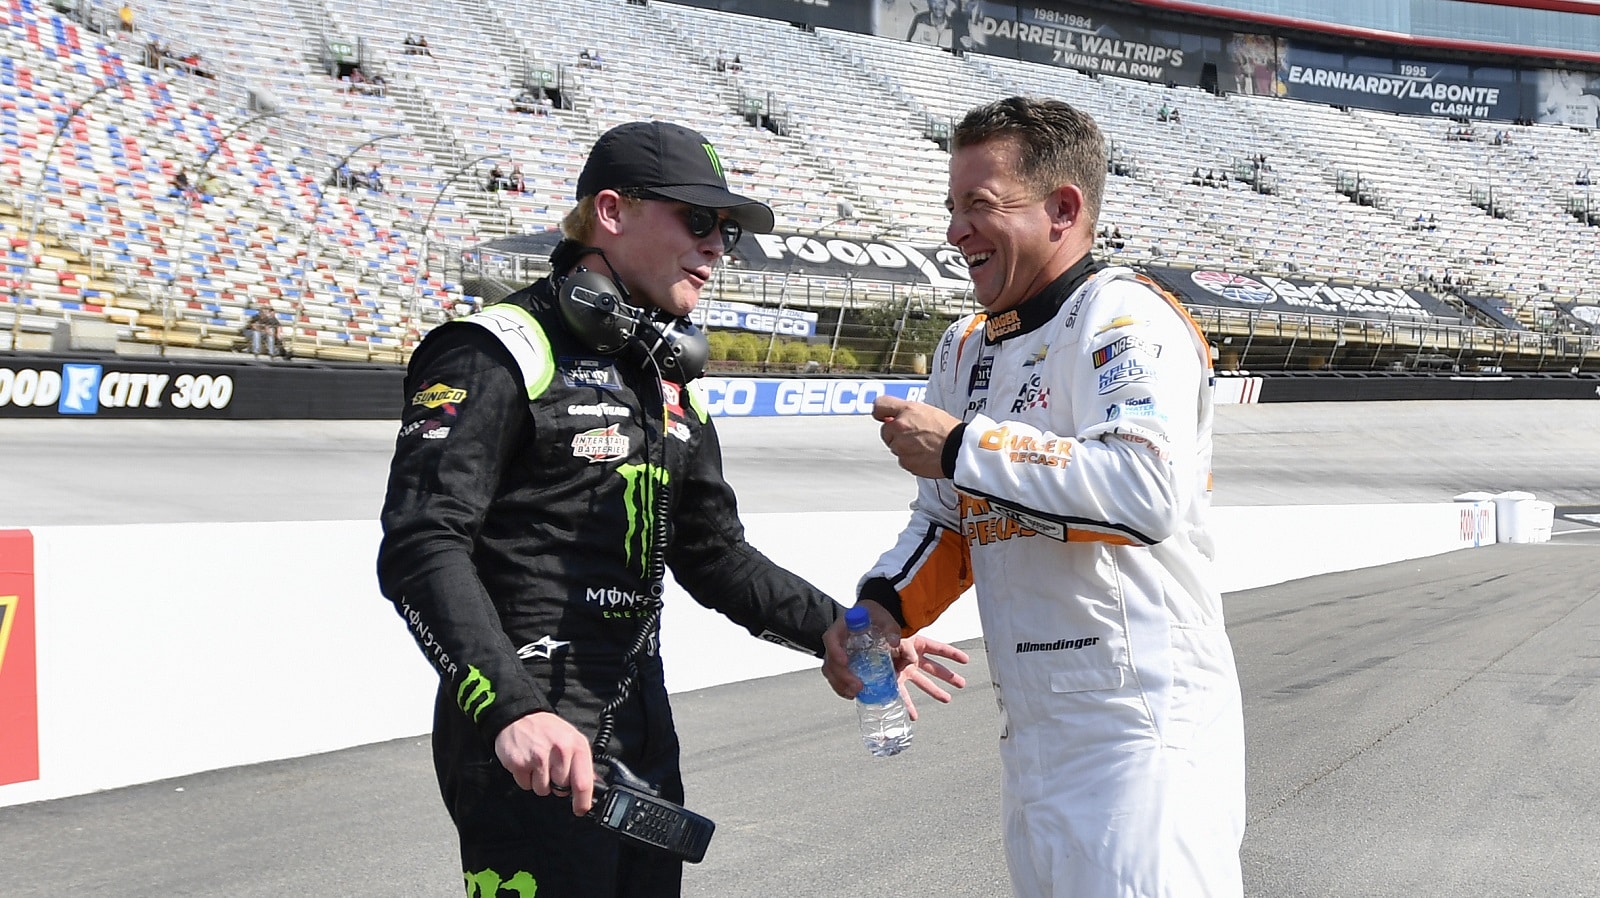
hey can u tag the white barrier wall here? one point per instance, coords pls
(164, 650)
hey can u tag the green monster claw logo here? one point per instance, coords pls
(716, 161)
(640, 502)
(476, 693)
(487, 884)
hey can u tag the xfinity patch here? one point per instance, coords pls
(589, 373)
(80, 390)
(601, 444)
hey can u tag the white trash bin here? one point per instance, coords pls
(1478, 518)
(1541, 518)
(1513, 516)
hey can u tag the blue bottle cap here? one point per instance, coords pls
(857, 619)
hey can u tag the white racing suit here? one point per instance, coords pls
(1078, 506)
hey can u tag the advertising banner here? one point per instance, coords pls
(845, 15)
(113, 387)
(762, 397)
(1563, 97)
(744, 316)
(19, 685)
(1406, 86)
(1056, 33)
(881, 259)
(1268, 293)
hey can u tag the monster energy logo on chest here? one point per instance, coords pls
(639, 498)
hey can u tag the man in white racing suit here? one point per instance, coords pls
(1064, 461)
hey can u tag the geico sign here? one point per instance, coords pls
(755, 321)
(766, 324)
(86, 388)
(730, 396)
(738, 396)
(826, 397)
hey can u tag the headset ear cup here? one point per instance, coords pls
(684, 350)
(593, 308)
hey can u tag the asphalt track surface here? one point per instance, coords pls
(1426, 728)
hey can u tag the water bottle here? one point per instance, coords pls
(885, 726)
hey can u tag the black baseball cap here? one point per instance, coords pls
(667, 161)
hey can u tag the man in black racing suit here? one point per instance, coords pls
(545, 470)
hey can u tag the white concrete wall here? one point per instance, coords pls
(165, 650)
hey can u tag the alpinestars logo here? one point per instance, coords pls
(543, 650)
(476, 693)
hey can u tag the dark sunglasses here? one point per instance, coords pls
(702, 221)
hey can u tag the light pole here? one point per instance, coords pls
(361, 146)
(38, 197)
(188, 208)
(847, 212)
(427, 224)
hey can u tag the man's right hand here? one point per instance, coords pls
(548, 755)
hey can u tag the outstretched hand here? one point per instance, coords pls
(912, 661)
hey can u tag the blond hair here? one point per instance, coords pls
(580, 221)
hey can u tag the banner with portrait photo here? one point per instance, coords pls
(1565, 97)
(949, 24)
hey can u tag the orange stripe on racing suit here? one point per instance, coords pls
(944, 574)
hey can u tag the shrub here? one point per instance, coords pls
(744, 348)
(796, 354)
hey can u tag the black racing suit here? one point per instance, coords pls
(518, 545)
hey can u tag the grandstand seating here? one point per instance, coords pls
(809, 118)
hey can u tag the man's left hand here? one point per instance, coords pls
(911, 660)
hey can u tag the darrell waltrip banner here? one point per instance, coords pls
(1203, 287)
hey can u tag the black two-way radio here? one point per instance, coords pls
(629, 807)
